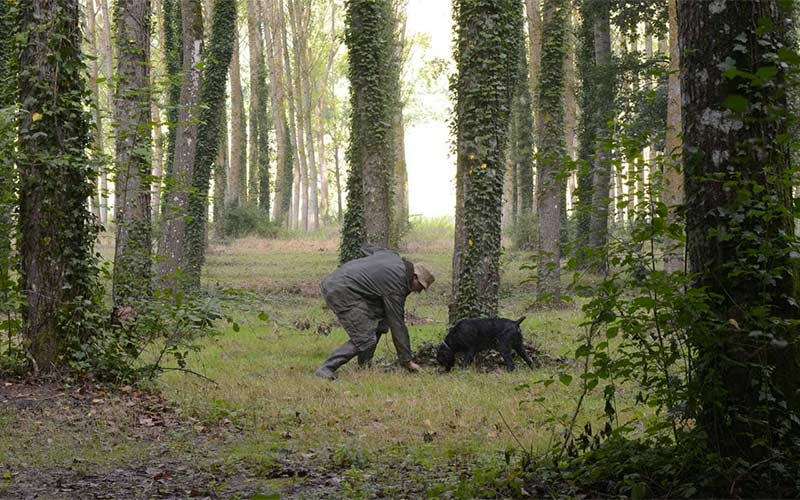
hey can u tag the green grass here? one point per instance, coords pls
(267, 392)
(265, 371)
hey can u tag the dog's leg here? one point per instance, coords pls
(520, 348)
(508, 357)
(468, 357)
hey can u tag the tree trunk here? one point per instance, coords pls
(221, 178)
(550, 139)
(586, 130)
(256, 60)
(107, 63)
(173, 255)
(481, 125)
(604, 95)
(94, 73)
(304, 147)
(570, 126)
(264, 122)
(56, 230)
(274, 51)
(534, 20)
(237, 173)
(173, 55)
(292, 184)
(212, 105)
(370, 40)
(156, 76)
(399, 213)
(740, 229)
(132, 283)
(672, 194)
(8, 175)
(337, 169)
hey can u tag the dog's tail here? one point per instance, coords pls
(519, 321)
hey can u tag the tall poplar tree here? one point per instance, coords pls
(132, 255)
(369, 37)
(740, 227)
(8, 93)
(212, 105)
(56, 229)
(486, 52)
(551, 145)
(172, 250)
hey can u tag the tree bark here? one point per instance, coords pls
(740, 229)
(481, 125)
(304, 153)
(672, 195)
(132, 281)
(173, 246)
(550, 139)
(107, 62)
(221, 178)
(256, 60)
(604, 95)
(56, 230)
(94, 86)
(294, 184)
(370, 41)
(237, 173)
(212, 105)
(274, 51)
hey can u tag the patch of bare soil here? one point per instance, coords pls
(486, 361)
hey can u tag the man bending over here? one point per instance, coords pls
(368, 295)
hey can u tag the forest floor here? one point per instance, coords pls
(267, 428)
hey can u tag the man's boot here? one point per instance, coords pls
(336, 359)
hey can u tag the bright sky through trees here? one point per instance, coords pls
(431, 167)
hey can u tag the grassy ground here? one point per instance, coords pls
(376, 432)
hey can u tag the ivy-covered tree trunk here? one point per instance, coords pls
(522, 149)
(486, 51)
(740, 228)
(8, 174)
(212, 105)
(672, 194)
(236, 195)
(173, 246)
(587, 130)
(550, 138)
(255, 51)
(603, 73)
(173, 55)
(157, 74)
(369, 36)
(132, 283)
(56, 230)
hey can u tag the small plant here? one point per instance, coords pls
(248, 221)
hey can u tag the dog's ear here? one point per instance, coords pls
(519, 321)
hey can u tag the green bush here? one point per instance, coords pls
(524, 231)
(248, 221)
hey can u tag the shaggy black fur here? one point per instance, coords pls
(471, 336)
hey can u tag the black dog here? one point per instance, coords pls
(471, 336)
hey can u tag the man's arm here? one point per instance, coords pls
(394, 306)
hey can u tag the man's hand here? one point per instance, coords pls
(412, 367)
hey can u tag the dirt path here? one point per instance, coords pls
(89, 441)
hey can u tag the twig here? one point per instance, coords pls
(510, 430)
(186, 370)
